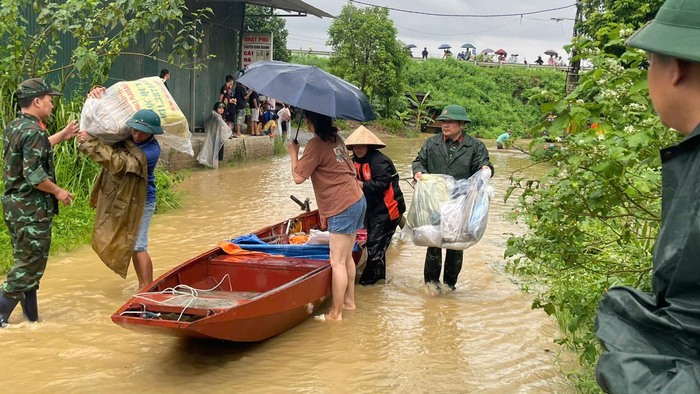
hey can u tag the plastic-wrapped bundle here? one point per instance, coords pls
(105, 118)
(217, 133)
(431, 192)
(461, 216)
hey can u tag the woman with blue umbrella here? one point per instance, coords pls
(340, 201)
(325, 160)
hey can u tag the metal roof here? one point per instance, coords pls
(289, 5)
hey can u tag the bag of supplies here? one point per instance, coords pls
(105, 118)
(449, 214)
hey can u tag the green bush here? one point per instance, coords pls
(392, 125)
(496, 99)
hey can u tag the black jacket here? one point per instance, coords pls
(380, 183)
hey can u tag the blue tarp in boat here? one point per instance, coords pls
(314, 252)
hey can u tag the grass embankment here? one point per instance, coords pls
(496, 99)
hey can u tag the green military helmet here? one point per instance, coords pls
(454, 112)
(674, 32)
(145, 120)
(34, 87)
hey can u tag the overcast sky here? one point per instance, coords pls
(527, 35)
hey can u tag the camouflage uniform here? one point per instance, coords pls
(28, 212)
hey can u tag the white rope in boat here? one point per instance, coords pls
(179, 291)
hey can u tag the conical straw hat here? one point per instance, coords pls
(362, 136)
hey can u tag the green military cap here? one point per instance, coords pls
(35, 87)
(454, 112)
(145, 120)
(674, 32)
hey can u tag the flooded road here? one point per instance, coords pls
(482, 338)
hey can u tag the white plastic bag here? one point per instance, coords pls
(431, 192)
(318, 237)
(105, 118)
(449, 214)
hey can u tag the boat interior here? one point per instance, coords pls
(217, 283)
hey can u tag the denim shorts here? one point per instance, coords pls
(350, 220)
(142, 239)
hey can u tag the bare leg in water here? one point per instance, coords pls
(343, 276)
(143, 267)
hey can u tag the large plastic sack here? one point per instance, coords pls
(105, 118)
(431, 192)
(217, 133)
(449, 214)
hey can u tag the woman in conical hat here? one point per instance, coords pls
(385, 203)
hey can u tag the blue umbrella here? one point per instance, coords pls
(444, 46)
(468, 46)
(310, 88)
(411, 46)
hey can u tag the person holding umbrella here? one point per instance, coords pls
(340, 201)
(452, 152)
(379, 180)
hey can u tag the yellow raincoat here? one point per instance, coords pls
(119, 197)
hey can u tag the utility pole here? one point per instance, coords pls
(575, 66)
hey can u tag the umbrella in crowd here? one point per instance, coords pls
(411, 46)
(444, 46)
(551, 52)
(468, 46)
(501, 52)
(309, 88)
(487, 50)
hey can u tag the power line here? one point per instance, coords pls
(461, 34)
(465, 15)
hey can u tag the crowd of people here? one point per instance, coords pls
(242, 108)
(469, 54)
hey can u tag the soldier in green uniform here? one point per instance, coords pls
(31, 195)
(452, 152)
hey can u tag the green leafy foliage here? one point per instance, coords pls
(496, 99)
(594, 216)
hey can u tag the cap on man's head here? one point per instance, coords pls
(35, 87)
(454, 112)
(219, 104)
(674, 32)
(145, 120)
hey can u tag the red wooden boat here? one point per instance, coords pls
(236, 297)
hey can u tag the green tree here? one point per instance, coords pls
(261, 20)
(367, 53)
(101, 32)
(599, 13)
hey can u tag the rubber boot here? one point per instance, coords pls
(29, 306)
(7, 305)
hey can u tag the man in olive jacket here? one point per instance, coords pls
(452, 152)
